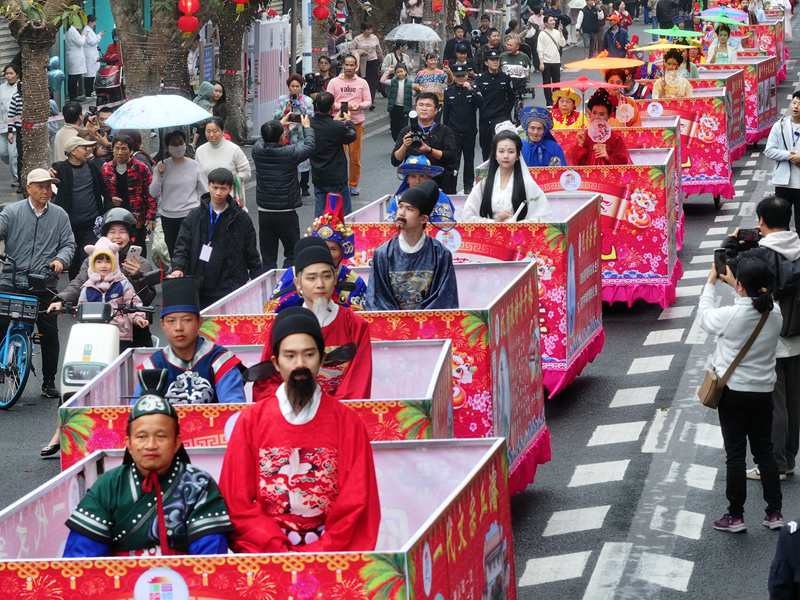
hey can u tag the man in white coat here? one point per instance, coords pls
(74, 43)
(91, 53)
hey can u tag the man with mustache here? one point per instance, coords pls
(413, 271)
(298, 474)
(346, 373)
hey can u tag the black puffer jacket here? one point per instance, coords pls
(277, 185)
(234, 256)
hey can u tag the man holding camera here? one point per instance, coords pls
(498, 99)
(332, 132)
(425, 136)
(779, 248)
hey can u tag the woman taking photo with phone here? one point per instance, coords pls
(296, 104)
(745, 407)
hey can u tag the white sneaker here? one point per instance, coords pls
(755, 474)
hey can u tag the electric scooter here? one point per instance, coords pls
(108, 83)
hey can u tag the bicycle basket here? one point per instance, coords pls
(16, 306)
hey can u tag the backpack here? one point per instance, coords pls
(787, 293)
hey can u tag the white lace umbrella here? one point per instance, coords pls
(412, 32)
(153, 112)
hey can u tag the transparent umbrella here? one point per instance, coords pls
(412, 32)
(154, 112)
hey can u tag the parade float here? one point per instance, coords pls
(759, 93)
(446, 533)
(767, 37)
(416, 406)
(497, 371)
(566, 250)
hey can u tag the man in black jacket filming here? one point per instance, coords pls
(328, 161)
(425, 136)
(217, 242)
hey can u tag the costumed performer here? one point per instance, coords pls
(156, 502)
(298, 474)
(565, 109)
(413, 271)
(691, 58)
(722, 50)
(540, 148)
(508, 193)
(415, 169)
(329, 229)
(346, 372)
(198, 370)
(588, 152)
(647, 70)
(673, 84)
(629, 116)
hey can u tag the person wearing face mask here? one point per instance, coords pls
(345, 334)
(673, 84)
(508, 193)
(128, 182)
(219, 153)
(178, 183)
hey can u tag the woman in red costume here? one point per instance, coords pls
(607, 147)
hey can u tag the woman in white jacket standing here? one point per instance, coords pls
(91, 54)
(745, 409)
(218, 152)
(76, 61)
(8, 151)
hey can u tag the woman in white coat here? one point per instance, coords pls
(76, 61)
(91, 53)
(508, 193)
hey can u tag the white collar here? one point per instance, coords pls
(332, 310)
(38, 213)
(305, 415)
(405, 247)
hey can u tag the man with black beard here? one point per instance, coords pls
(298, 474)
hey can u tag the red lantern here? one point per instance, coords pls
(437, 6)
(321, 12)
(188, 7)
(188, 24)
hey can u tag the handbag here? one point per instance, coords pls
(710, 391)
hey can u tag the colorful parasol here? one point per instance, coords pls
(661, 45)
(582, 83)
(675, 32)
(603, 64)
(724, 11)
(722, 19)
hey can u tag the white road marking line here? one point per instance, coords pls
(705, 259)
(697, 476)
(658, 439)
(684, 523)
(695, 274)
(650, 364)
(663, 336)
(723, 219)
(579, 519)
(677, 312)
(748, 171)
(616, 433)
(705, 434)
(665, 571)
(759, 175)
(755, 154)
(634, 396)
(696, 334)
(602, 472)
(687, 291)
(738, 194)
(751, 163)
(741, 182)
(706, 244)
(722, 230)
(748, 209)
(608, 571)
(554, 568)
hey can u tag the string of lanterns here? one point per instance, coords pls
(188, 23)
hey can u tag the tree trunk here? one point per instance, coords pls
(232, 28)
(35, 106)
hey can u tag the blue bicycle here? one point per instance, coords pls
(16, 349)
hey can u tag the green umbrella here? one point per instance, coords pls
(722, 19)
(675, 32)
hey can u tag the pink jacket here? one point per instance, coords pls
(353, 91)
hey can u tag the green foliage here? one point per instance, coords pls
(555, 236)
(415, 420)
(384, 577)
(75, 432)
(476, 329)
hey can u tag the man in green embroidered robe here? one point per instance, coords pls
(156, 502)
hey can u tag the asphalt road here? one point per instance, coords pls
(643, 530)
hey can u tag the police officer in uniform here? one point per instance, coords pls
(461, 104)
(498, 99)
(784, 574)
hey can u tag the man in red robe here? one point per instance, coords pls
(586, 151)
(298, 474)
(346, 372)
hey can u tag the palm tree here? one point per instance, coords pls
(34, 24)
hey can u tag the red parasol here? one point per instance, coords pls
(582, 83)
